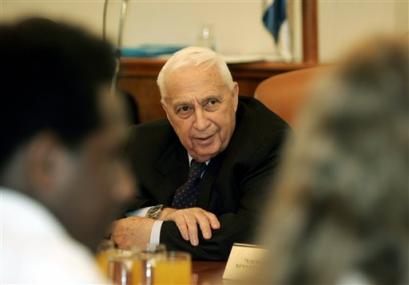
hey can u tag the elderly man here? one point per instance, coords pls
(202, 172)
(60, 161)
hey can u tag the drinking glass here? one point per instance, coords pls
(104, 252)
(114, 263)
(120, 269)
(143, 263)
(173, 268)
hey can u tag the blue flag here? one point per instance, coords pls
(274, 16)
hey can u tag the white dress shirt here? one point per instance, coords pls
(36, 249)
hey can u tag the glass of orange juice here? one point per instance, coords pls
(115, 263)
(172, 268)
(143, 263)
(105, 251)
(120, 270)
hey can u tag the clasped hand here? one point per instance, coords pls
(187, 221)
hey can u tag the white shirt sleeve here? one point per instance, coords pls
(155, 233)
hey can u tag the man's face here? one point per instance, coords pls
(94, 181)
(201, 109)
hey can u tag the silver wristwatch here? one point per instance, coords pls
(154, 212)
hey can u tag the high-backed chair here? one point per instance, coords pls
(285, 94)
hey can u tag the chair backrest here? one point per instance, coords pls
(285, 94)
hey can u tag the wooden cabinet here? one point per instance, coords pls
(138, 78)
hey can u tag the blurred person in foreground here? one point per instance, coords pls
(62, 131)
(341, 210)
(203, 173)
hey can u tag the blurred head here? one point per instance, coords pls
(62, 127)
(341, 208)
(200, 100)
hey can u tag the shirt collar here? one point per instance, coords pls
(191, 158)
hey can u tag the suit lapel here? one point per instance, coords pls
(173, 168)
(206, 185)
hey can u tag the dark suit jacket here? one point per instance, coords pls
(233, 187)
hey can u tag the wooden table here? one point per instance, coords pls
(208, 272)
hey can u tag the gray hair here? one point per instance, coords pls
(201, 57)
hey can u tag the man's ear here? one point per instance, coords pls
(43, 153)
(235, 95)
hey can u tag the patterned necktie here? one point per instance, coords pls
(186, 195)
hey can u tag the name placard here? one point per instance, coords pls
(244, 260)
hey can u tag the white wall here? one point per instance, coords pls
(236, 23)
(343, 23)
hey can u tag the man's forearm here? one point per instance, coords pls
(132, 231)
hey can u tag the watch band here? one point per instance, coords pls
(154, 212)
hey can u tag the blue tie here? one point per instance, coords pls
(186, 195)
